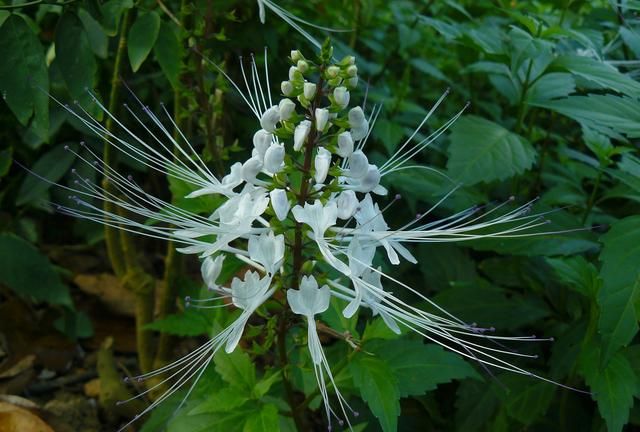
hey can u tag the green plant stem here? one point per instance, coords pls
(112, 239)
(592, 197)
(120, 248)
(297, 414)
(521, 103)
(173, 261)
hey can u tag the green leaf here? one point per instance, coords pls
(601, 73)
(550, 86)
(620, 290)
(609, 114)
(75, 59)
(264, 385)
(111, 12)
(24, 78)
(237, 369)
(378, 387)
(377, 329)
(142, 36)
(579, 274)
(222, 400)
(613, 388)
(6, 159)
(449, 265)
(26, 271)
(264, 420)
(52, 166)
(527, 398)
(419, 368)
(489, 306)
(483, 151)
(97, 37)
(475, 404)
(168, 53)
(188, 323)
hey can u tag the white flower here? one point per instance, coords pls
(371, 225)
(247, 295)
(302, 66)
(309, 90)
(322, 117)
(352, 82)
(261, 142)
(347, 203)
(358, 122)
(358, 165)
(345, 144)
(286, 88)
(251, 168)
(341, 96)
(321, 163)
(300, 134)
(320, 218)
(309, 300)
(211, 269)
(268, 250)
(352, 70)
(286, 108)
(296, 55)
(270, 118)
(274, 158)
(280, 203)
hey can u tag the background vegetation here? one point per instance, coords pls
(554, 115)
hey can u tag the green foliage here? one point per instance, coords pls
(378, 387)
(498, 155)
(553, 117)
(29, 273)
(23, 57)
(142, 37)
(620, 291)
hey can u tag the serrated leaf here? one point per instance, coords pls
(222, 400)
(579, 274)
(551, 86)
(264, 420)
(236, 369)
(419, 368)
(264, 385)
(613, 387)
(24, 78)
(620, 290)
(475, 405)
(27, 272)
(527, 398)
(52, 166)
(188, 323)
(142, 37)
(168, 53)
(379, 388)
(609, 114)
(601, 73)
(483, 151)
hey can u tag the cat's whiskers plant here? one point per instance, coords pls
(304, 197)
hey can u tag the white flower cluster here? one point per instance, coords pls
(308, 177)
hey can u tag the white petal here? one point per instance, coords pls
(270, 118)
(280, 203)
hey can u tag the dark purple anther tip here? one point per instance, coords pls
(398, 196)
